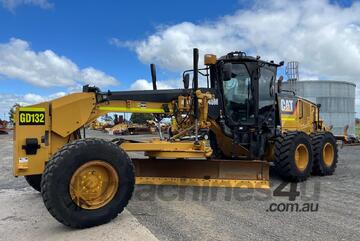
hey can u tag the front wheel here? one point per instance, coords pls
(87, 183)
(34, 181)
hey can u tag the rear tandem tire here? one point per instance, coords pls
(325, 153)
(293, 156)
(34, 181)
(114, 167)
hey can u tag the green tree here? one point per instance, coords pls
(141, 118)
(12, 112)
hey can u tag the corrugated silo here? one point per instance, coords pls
(337, 99)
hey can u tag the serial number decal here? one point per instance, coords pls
(32, 118)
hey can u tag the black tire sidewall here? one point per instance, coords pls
(34, 181)
(69, 162)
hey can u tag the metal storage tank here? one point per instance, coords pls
(337, 99)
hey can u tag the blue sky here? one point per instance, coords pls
(56, 46)
(81, 30)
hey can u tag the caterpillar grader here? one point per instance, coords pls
(226, 134)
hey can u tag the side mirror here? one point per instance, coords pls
(279, 84)
(227, 71)
(186, 80)
(272, 87)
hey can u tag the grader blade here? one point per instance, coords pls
(207, 173)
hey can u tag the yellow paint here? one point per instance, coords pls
(31, 109)
(131, 106)
(202, 182)
(288, 118)
(328, 154)
(35, 163)
(303, 118)
(225, 143)
(157, 145)
(130, 110)
(209, 59)
(165, 149)
(179, 154)
(71, 112)
(301, 157)
(94, 184)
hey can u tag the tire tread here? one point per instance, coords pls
(53, 166)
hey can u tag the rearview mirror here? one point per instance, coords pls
(186, 80)
(279, 84)
(272, 87)
(227, 71)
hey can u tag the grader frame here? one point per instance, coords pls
(70, 113)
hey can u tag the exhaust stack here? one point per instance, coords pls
(153, 76)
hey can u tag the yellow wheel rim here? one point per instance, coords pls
(301, 157)
(94, 184)
(328, 154)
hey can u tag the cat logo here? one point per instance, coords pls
(287, 105)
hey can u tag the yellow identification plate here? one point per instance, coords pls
(32, 116)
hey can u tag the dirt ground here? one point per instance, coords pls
(190, 213)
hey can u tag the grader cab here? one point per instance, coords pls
(223, 135)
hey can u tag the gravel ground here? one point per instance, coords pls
(24, 217)
(189, 213)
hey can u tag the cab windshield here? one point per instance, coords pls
(238, 94)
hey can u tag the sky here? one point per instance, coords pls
(51, 48)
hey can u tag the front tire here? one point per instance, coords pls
(34, 181)
(87, 182)
(293, 156)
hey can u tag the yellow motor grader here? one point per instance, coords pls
(224, 135)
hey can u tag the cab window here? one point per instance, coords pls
(237, 94)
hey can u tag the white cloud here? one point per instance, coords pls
(33, 98)
(126, 44)
(324, 38)
(143, 84)
(75, 88)
(46, 68)
(8, 100)
(11, 5)
(57, 95)
(95, 77)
